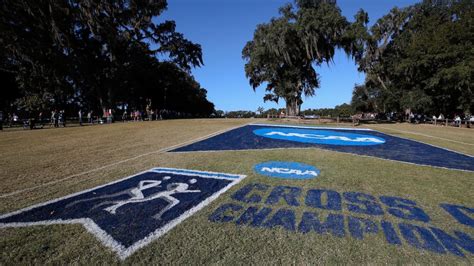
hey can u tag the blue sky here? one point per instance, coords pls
(222, 27)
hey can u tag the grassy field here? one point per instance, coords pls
(41, 165)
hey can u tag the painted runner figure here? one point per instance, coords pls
(137, 196)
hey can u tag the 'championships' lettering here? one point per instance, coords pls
(337, 224)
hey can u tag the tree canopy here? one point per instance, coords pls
(283, 52)
(98, 54)
(419, 58)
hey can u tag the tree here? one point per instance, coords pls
(376, 42)
(283, 51)
(432, 59)
(419, 58)
(92, 53)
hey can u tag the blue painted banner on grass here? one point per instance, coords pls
(393, 148)
(289, 170)
(329, 137)
(130, 213)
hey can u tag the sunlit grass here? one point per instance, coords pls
(32, 158)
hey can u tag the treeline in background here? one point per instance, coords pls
(96, 55)
(114, 55)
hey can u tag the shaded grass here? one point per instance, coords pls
(199, 241)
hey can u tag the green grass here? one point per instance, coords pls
(37, 157)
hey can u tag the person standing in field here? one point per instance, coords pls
(40, 119)
(80, 117)
(111, 115)
(135, 116)
(62, 118)
(124, 115)
(457, 121)
(89, 117)
(52, 119)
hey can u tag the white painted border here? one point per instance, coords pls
(107, 239)
(313, 127)
(197, 173)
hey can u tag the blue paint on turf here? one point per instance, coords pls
(273, 207)
(288, 170)
(137, 220)
(330, 137)
(394, 148)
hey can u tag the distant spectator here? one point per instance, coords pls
(457, 121)
(1, 120)
(137, 115)
(418, 119)
(53, 119)
(10, 119)
(89, 117)
(16, 119)
(80, 117)
(148, 112)
(62, 118)
(31, 121)
(124, 115)
(110, 117)
(40, 119)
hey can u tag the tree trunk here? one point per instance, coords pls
(102, 106)
(292, 107)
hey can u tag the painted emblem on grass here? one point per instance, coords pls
(329, 137)
(376, 144)
(130, 213)
(291, 170)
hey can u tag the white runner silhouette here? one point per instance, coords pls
(137, 196)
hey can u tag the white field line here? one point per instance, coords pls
(118, 162)
(425, 135)
(312, 127)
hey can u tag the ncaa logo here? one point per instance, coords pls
(290, 170)
(318, 136)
